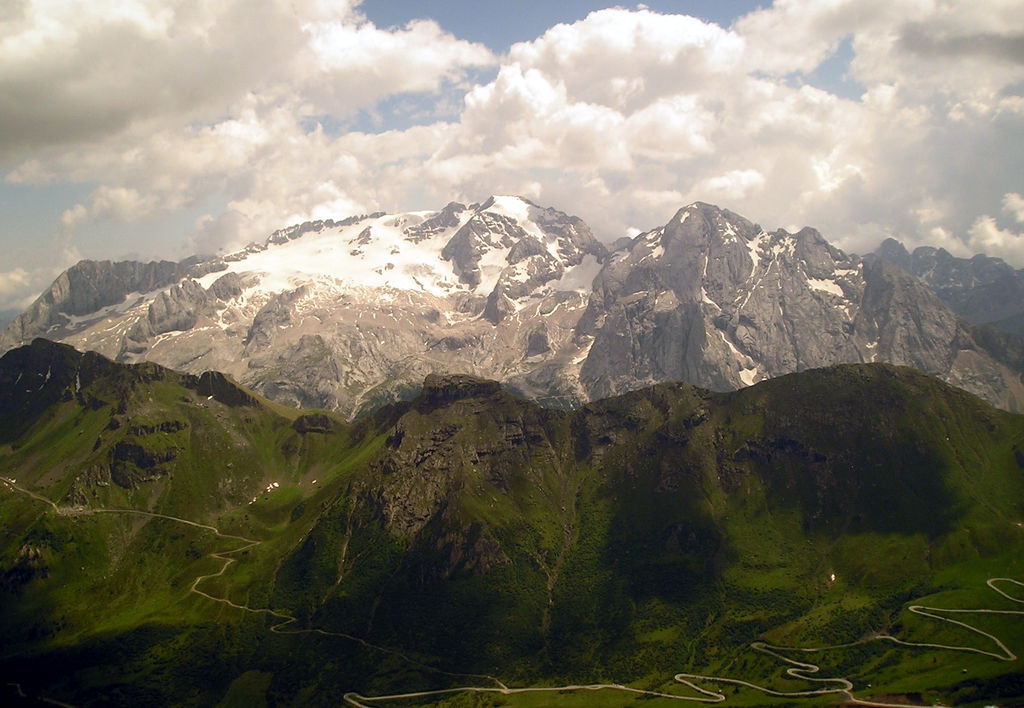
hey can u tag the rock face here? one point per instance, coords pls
(86, 289)
(981, 289)
(348, 315)
(716, 301)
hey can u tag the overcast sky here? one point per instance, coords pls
(158, 129)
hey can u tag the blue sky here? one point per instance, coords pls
(499, 25)
(133, 129)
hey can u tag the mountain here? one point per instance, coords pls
(982, 290)
(714, 300)
(349, 315)
(173, 539)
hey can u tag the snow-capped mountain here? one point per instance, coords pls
(346, 315)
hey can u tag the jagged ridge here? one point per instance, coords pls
(348, 315)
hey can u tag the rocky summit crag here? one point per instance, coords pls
(348, 315)
(981, 289)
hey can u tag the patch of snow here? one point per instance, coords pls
(584, 353)
(748, 376)
(522, 213)
(388, 260)
(825, 286)
(491, 265)
(578, 278)
(732, 347)
(730, 232)
(131, 300)
(754, 247)
(786, 245)
(512, 207)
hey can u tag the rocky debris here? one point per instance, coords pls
(177, 309)
(87, 485)
(440, 222)
(482, 233)
(226, 287)
(29, 564)
(537, 341)
(305, 374)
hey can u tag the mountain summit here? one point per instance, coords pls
(347, 315)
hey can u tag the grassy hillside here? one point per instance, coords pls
(167, 539)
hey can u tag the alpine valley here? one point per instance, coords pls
(349, 315)
(850, 534)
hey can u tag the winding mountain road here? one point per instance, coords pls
(800, 670)
(804, 671)
(224, 557)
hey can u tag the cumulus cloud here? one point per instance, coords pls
(106, 68)
(1013, 205)
(20, 286)
(987, 237)
(13, 281)
(621, 117)
(165, 104)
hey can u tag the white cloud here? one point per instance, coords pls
(220, 98)
(356, 65)
(13, 281)
(627, 59)
(986, 237)
(621, 117)
(74, 217)
(89, 72)
(736, 184)
(1013, 205)
(20, 286)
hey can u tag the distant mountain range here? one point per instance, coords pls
(981, 289)
(349, 315)
(170, 539)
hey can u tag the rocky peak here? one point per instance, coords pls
(448, 388)
(82, 290)
(895, 252)
(447, 218)
(981, 289)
